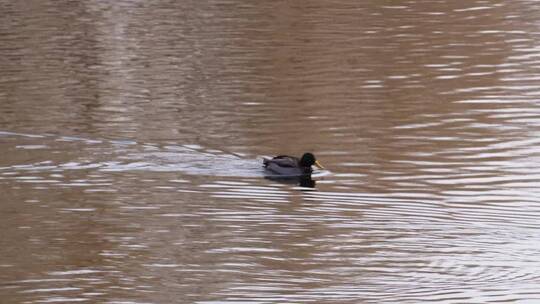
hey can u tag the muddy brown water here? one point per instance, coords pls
(131, 137)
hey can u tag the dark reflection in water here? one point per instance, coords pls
(302, 181)
(131, 137)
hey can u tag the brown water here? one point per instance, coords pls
(131, 134)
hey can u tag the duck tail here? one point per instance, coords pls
(266, 160)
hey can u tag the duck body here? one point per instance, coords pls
(290, 166)
(286, 166)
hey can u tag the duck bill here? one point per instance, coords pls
(318, 165)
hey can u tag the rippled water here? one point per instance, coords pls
(131, 137)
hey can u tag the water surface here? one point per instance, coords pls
(131, 137)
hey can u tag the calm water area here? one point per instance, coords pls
(132, 134)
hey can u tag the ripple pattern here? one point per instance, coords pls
(130, 136)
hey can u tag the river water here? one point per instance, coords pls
(131, 137)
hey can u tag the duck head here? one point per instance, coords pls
(308, 160)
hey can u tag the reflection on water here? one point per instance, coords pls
(131, 136)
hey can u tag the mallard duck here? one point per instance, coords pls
(291, 166)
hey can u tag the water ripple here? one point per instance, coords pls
(132, 172)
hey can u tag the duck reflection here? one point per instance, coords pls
(302, 181)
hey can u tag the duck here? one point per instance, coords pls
(290, 166)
